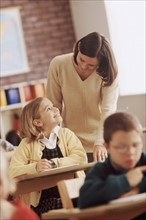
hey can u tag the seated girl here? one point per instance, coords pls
(44, 145)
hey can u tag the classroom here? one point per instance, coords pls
(33, 33)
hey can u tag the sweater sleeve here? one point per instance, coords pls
(53, 88)
(97, 190)
(19, 164)
(109, 97)
(71, 148)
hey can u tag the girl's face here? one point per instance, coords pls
(86, 65)
(49, 116)
(125, 148)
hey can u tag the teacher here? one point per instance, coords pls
(84, 86)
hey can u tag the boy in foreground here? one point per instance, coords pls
(124, 171)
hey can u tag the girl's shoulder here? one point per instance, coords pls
(26, 142)
(65, 131)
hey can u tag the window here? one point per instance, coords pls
(127, 30)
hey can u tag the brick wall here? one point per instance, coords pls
(48, 31)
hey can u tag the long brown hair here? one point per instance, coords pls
(96, 45)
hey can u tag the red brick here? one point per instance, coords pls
(44, 22)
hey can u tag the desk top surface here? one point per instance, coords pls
(55, 171)
(106, 211)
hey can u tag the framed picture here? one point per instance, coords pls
(13, 58)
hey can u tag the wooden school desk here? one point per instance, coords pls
(118, 210)
(43, 180)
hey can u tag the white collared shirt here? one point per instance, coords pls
(51, 142)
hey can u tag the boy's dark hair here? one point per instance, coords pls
(120, 121)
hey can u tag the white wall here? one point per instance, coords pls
(135, 104)
(127, 30)
(89, 16)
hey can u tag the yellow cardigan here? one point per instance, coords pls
(70, 147)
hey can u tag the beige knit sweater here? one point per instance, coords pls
(79, 101)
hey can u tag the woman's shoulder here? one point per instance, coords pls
(62, 58)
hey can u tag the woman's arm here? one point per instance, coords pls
(109, 98)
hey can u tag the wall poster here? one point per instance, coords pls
(13, 58)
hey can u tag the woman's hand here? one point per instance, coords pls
(99, 153)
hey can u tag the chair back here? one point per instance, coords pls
(69, 190)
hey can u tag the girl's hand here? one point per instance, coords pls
(99, 153)
(135, 176)
(43, 164)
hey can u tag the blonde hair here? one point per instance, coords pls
(30, 112)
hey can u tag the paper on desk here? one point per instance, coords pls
(130, 198)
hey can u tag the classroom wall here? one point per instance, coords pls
(135, 104)
(48, 31)
(89, 16)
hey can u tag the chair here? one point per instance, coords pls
(69, 190)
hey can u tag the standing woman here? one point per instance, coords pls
(84, 86)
